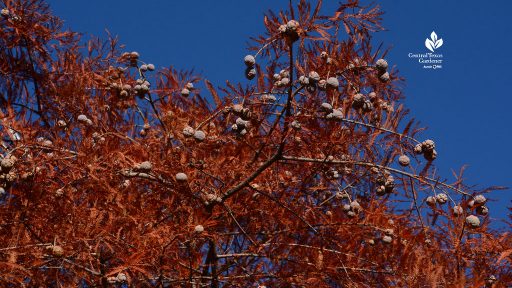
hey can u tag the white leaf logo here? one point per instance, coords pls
(433, 43)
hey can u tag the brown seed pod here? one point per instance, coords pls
(249, 60)
(111, 280)
(62, 123)
(404, 160)
(237, 108)
(250, 73)
(441, 198)
(290, 31)
(57, 251)
(199, 135)
(341, 195)
(181, 177)
(7, 163)
(380, 180)
(121, 277)
(333, 83)
(381, 65)
(355, 206)
(303, 80)
(246, 114)
(282, 29)
(390, 181)
(44, 142)
(358, 101)
(210, 197)
(431, 201)
(144, 88)
(82, 118)
(292, 25)
(428, 145)
(241, 123)
(5, 12)
(311, 88)
(482, 210)
(199, 229)
(285, 81)
(490, 280)
(145, 166)
(480, 199)
(457, 210)
(313, 77)
(322, 84)
(387, 239)
(418, 149)
(384, 77)
(123, 93)
(284, 74)
(336, 114)
(367, 106)
(473, 221)
(11, 176)
(430, 155)
(134, 55)
(332, 174)
(185, 92)
(268, 98)
(326, 107)
(381, 190)
(389, 185)
(188, 131)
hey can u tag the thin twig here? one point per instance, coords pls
(422, 179)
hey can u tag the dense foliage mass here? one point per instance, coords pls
(309, 175)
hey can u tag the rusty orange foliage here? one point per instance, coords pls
(113, 174)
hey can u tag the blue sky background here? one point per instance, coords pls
(465, 104)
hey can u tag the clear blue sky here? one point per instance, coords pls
(465, 104)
